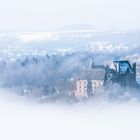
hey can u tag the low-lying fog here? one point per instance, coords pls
(39, 62)
(21, 119)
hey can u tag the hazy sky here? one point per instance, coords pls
(43, 15)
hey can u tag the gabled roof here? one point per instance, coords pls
(92, 74)
(123, 66)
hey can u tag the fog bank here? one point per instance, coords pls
(91, 120)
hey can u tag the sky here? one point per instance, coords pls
(44, 15)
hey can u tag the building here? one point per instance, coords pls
(126, 74)
(91, 80)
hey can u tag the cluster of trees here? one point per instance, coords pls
(47, 74)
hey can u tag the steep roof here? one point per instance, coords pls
(92, 74)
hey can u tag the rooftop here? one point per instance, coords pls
(92, 74)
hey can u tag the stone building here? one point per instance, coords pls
(89, 82)
(99, 76)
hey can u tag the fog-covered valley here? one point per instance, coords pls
(37, 80)
(39, 63)
(24, 119)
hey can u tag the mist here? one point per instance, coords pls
(23, 119)
(33, 64)
(43, 46)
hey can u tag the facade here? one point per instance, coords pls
(90, 80)
(81, 88)
(97, 84)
